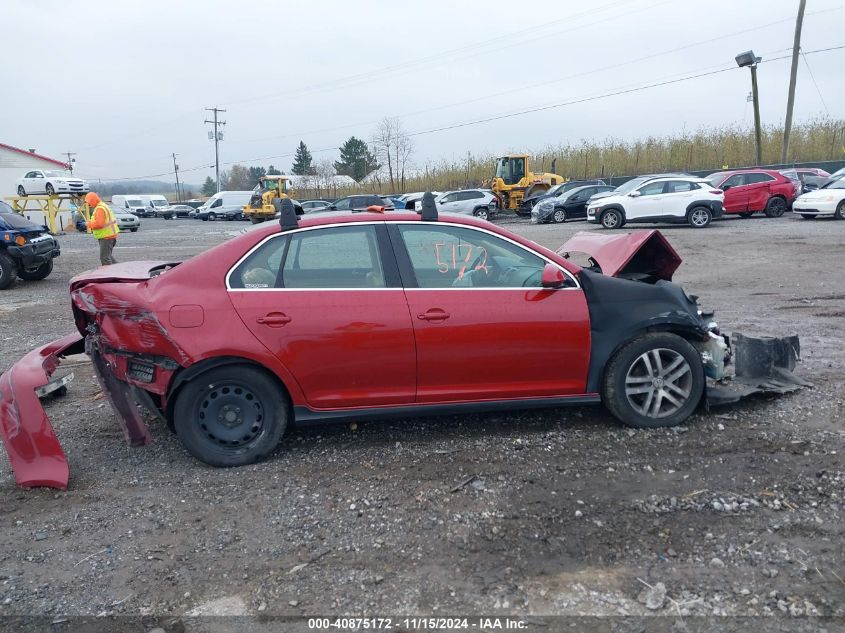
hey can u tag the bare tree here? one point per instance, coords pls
(394, 147)
(324, 179)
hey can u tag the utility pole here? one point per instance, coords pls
(70, 160)
(176, 170)
(790, 100)
(217, 137)
(757, 134)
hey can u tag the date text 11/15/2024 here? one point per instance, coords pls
(417, 623)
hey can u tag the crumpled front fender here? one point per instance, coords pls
(34, 451)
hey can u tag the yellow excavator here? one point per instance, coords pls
(260, 207)
(515, 181)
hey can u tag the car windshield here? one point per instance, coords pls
(56, 174)
(159, 203)
(18, 221)
(630, 185)
(715, 179)
(836, 184)
(556, 190)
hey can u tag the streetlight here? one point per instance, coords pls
(750, 60)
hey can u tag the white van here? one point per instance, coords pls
(129, 203)
(226, 205)
(157, 206)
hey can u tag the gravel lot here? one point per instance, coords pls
(739, 512)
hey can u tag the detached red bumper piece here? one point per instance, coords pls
(33, 448)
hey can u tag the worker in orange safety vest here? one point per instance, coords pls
(103, 225)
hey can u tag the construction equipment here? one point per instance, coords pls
(269, 188)
(514, 180)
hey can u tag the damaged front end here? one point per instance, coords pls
(619, 309)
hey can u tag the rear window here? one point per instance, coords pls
(16, 221)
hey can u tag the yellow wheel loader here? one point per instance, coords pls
(515, 181)
(269, 188)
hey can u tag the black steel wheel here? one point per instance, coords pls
(231, 415)
(776, 207)
(37, 274)
(212, 217)
(655, 380)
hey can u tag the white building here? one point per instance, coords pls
(15, 162)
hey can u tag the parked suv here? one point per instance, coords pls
(751, 190)
(677, 199)
(470, 202)
(26, 249)
(572, 205)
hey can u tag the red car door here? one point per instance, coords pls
(484, 327)
(758, 189)
(736, 193)
(329, 304)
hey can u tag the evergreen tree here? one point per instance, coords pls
(255, 173)
(356, 160)
(209, 187)
(302, 161)
(272, 171)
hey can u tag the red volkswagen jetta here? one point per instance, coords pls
(365, 315)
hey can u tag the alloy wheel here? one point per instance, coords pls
(699, 217)
(658, 383)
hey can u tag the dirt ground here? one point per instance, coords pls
(556, 512)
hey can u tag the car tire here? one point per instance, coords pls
(211, 217)
(775, 207)
(231, 415)
(699, 217)
(559, 216)
(611, 219)
(42, 272)
(21, 191)
(481, 213)
(839, 214)
(808, 216)
(49, 190)
(8, 271)
(255, 220)
(746, 214)
(634, 386)
(134, 229)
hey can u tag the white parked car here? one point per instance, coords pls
(468, 201)
(830, 200)
(50, 182)
(668, 198)
(126, 221)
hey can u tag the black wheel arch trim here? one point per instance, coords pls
(622, 309)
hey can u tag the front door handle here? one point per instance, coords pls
(274, 319)
(435, 314)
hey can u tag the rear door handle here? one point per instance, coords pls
(435, 314)
(274, 319)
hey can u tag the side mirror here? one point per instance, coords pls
(634, 194)
(553, 277)
(333, 207)
(726, 187)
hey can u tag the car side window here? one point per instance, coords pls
(449, 198)
(217, 203)
(458, 257)
(679, 186)
(344, 205)
(652, 189)
(261, 269)
(473, 195)
(755, 178)
(37, 174)
(30, 174)
(336, 257)
(734, 181)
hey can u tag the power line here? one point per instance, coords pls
(810, 70)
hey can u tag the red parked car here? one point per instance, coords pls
(336, 315)
(748, 191)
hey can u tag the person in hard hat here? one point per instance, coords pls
(104, 227)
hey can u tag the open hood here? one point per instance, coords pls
(641, 255)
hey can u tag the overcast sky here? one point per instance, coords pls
(124, 84)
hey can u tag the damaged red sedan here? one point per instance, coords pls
(368, 315)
